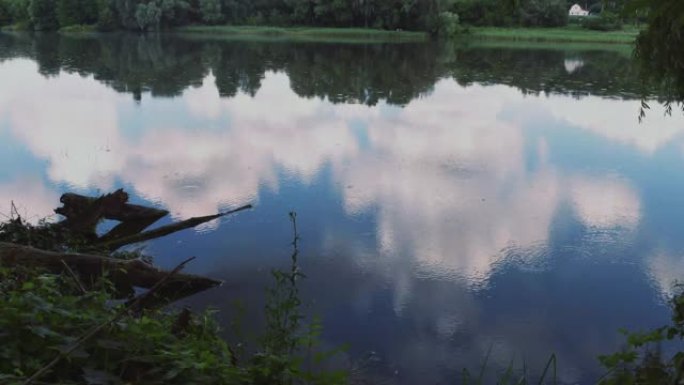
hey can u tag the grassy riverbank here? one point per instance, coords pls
(570, 34)
(306, 33)
(574, 34)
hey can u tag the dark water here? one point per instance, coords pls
(451, 199)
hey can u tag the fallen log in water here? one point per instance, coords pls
(124, 274)
(78, 232)
(82, 215)
(113, 244)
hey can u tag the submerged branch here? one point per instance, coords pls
(166, 230)
(124, 274)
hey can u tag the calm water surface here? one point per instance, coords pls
(450, 199)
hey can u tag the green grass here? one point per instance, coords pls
(306, 33)
(15, 27)
(78, 28)
(574, 34)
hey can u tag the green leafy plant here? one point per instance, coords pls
(643, 359)
(45, 317)
(288, 343)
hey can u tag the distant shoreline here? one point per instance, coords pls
(306, 33)
(569, 34)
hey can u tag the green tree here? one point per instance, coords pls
(302, 11)
(106, 16)
(5, 15)
(148, 16)
(543, 13)
(68, 12)
(18, 10)
(126, 10)
(173, 12)
(71, 12)
(659, 48)
(448, 24)
(42, 13)
(211, 11)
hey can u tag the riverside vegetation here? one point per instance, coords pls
(71, 325)
(435, 17)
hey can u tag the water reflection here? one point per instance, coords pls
(455, 198)
(165, 65)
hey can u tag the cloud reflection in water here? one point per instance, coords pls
(455, 181)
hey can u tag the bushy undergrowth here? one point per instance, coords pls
(45, 315)
(42, 236)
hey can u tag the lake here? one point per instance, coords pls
(451, 199)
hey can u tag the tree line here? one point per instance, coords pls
(433, 16)
(419, 15)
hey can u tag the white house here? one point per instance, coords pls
(577, 10)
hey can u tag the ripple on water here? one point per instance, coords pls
(601, 245)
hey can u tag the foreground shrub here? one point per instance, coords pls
(100, 340)
(43, 315)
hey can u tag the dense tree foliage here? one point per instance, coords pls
(435, 16)
(72, 12)
(5, 15)
(426, 15)
(660, 47)
(211, 11)
(605, 14)
(543, 13)
(18, 11)
(529, 13)
(439, 17)
(43, 16)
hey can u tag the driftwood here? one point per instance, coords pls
(124, 274)
(82, 215)
(113, 244)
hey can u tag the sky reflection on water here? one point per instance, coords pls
(472, 216)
